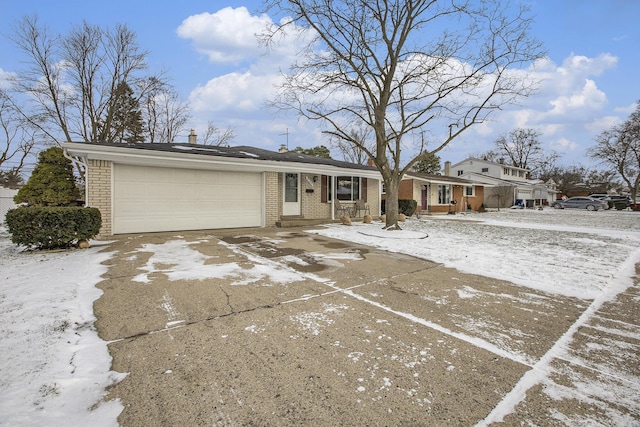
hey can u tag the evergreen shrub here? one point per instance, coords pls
(52, 227)
(52, 182)
(407, 207)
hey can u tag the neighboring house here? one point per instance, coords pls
(504, 183)
(6, 202)
(143, 187)
(441, 194)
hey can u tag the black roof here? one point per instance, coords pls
(239, 152)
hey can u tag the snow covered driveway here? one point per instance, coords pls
(521, 316)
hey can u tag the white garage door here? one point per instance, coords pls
(169, 199)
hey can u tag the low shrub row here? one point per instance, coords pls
(52, 227)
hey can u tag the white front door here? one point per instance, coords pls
(291, 201)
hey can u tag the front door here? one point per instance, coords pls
(291, 203)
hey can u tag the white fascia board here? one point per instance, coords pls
(194, 161)
(444, 181)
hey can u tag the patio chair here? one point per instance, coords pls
(361, 208)
(342, 210)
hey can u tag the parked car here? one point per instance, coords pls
(618, 202)
(588, 203)
(519, 204)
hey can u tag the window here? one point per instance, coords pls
(505, 171)
(521, 174)
(347, 187)
(460, 172)
(444, 194)
(468, 190)
(485, 170)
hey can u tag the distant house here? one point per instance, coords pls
(441, 194)
(504, 183)
(142, 187)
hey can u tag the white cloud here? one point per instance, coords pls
(242, 92)
(226, 36)
(5, 78)
(569, 108)
(231, 36)
(582, 66)
(587, 97)
(602, 123)
(626, 110)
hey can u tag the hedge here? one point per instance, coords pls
(52, 227)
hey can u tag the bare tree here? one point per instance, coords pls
(354, 153)
(71, 80)
(569, 180)
(403, 67)
(619, 149)
(523, 148)
(217, 136)
(165, 114)
(503, 194)
(17, 139)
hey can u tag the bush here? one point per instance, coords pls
(52, 227)
(407, 207)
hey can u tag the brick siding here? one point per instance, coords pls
(99, 182)
(272, 198)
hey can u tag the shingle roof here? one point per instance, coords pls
(239, 152)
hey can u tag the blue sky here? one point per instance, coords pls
(208, 51)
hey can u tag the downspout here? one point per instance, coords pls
(83, 161)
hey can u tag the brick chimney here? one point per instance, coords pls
(283, 149)
(447, 168)
(193, 138)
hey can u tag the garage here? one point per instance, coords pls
(149, 198)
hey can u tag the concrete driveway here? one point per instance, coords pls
(270, 327)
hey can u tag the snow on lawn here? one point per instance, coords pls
(54, 367)
(571, 253)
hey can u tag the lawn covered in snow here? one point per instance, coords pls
(567, 252)
(55, 368)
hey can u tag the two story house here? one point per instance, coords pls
(504, 184)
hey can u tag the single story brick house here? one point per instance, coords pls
(441, 194)
(143, 187)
